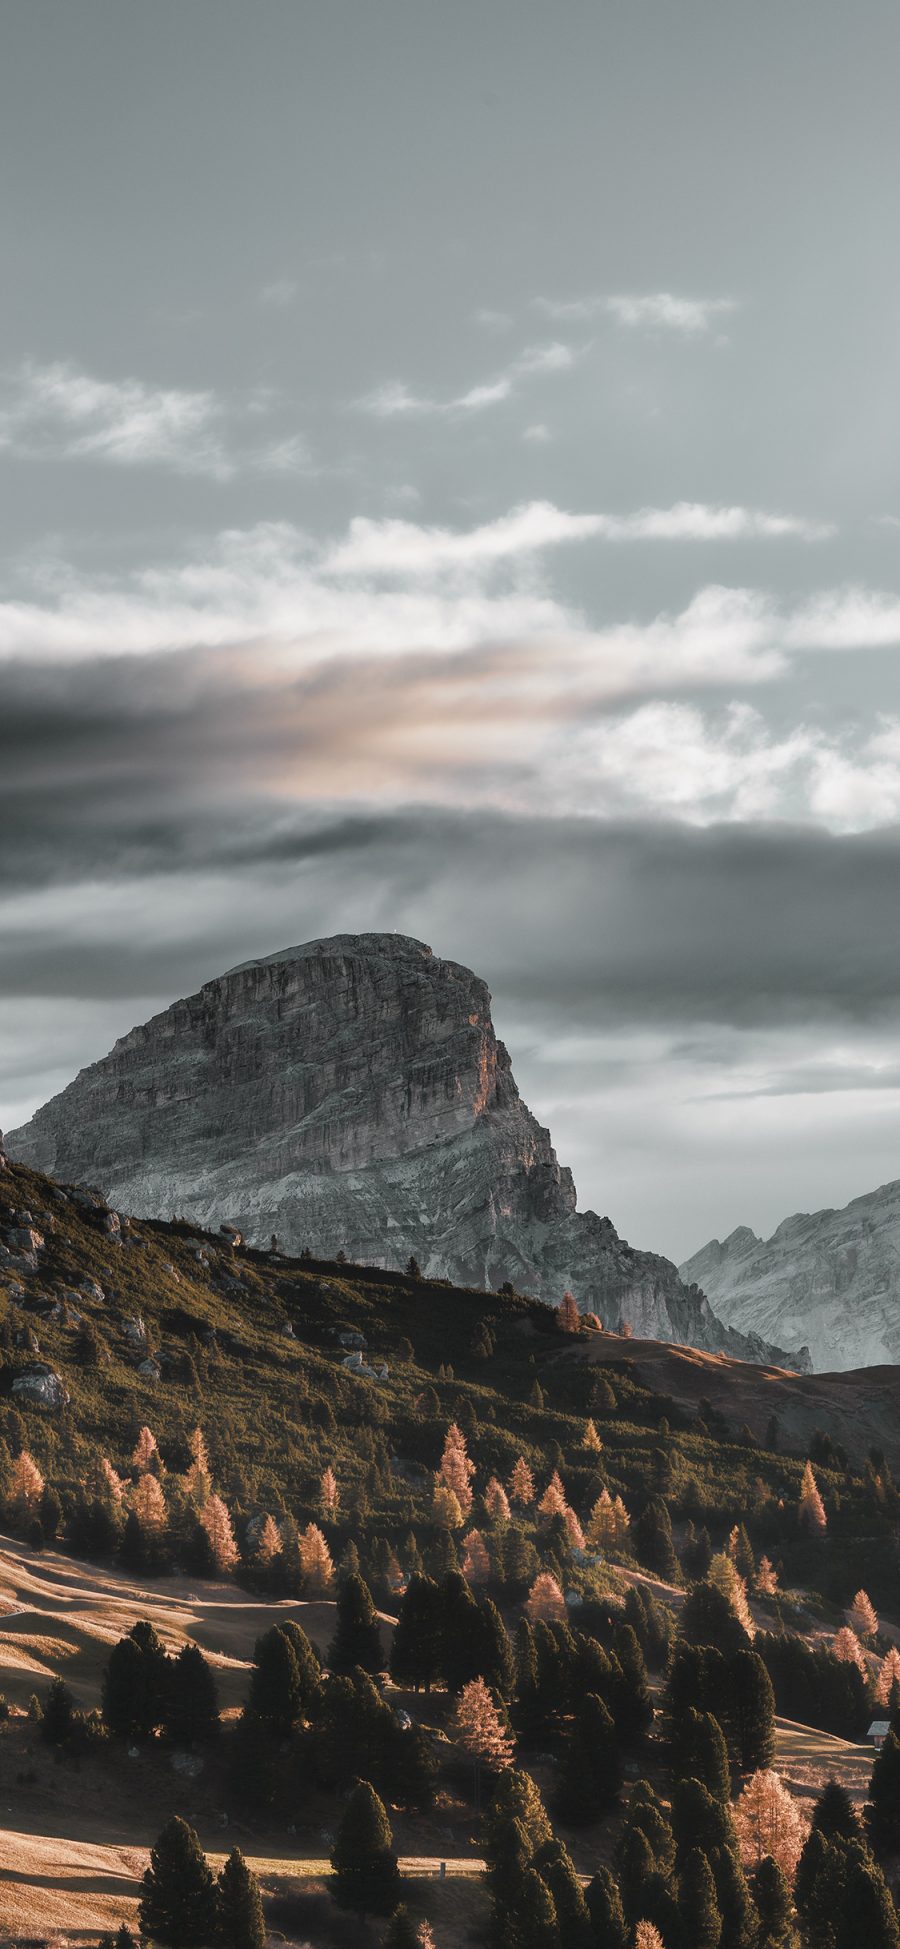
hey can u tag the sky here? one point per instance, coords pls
(450, 482)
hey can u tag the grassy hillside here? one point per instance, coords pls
(249, 1348)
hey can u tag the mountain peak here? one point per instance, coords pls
(356, 1099)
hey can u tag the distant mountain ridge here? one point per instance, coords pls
(351, 1094)
(827, 1279)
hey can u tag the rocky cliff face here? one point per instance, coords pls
(828, 1279)
(352, 1095)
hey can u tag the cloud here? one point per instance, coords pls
(650, 311)
(281, 292)
(394, 400)
(537, 434)
(402, 547)
(56, 412)
(493, 321)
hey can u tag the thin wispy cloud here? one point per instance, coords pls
(661, 311)
(281, 292)
(395, 400)
(56, 412)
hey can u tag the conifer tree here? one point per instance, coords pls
(239, 1913)
(567, 1314)
(328, 1491)
(545, 1600)
(884, 1797)
(834, 1814)
(555, 1866)
(136, 1684)
(604, 1906)
(698, 1906)
(26, 1489)
(58, 1715)
(869, 1915)
(268, 1544)
(862, 1617)
(404, 1933)
(416, 1645)
(765, 1583)
(723, 1574)
(888, 1676)
(276, 1695)
(521, 1483)
(847, 1649)
(445, 1506)
(456, 1470)
(476, 1562)
(751, 1711)
(553, 1501)
(496, 1502)
(192, 1703)
(146, 1452)
(631, 1703)
(699, 1752)
(590, 1773)
(591, 1440)
(217, 1524)
(482, 1731)
(768, 1821)
(652, 1539)
(357, 1637)
(810, 1508)
(315, 1559)
(772, 1897)
(366, 1875)
(177, 1904)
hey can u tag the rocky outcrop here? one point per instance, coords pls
(830, 1279)
(352, 1095)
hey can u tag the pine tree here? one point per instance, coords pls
(604, 1906)
(149, 1507)
(553, 1501)
(146, 1453)
(862, 1617)
(315, 1558)
(591, 1440)
(192, 1705)
(357, 1637)
(482, 1731)
(768, 1821)
(590, 1773)
(545, 1600)
(811, 1509)
(574, 1532)
(698, 1906)
(631, 1703)
(239, 1913)
(403, 1932)
(268, 1544)
(765, 1583)
(888, 1676)
(58, 1715)
(752, 1711)
(555, 1866)
(699, 1752)
(416, 1645)
(456, 1470)
(25, 1490)
(567, 1314)
(496, 1502)
(328, 1491)
(445, 1506)
(276, 1694)
(366, 1875)
(847, 1649)
(834, 1814)
(869, 1915)
(884, 1798)
(177, 1904)
(521, 1483)
(646, 1936)
(136, 1683)
(652, 1538)
(217, 1524)
(111, 1484)
(476, 1561)
(724, 1576)
(772, 1896)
